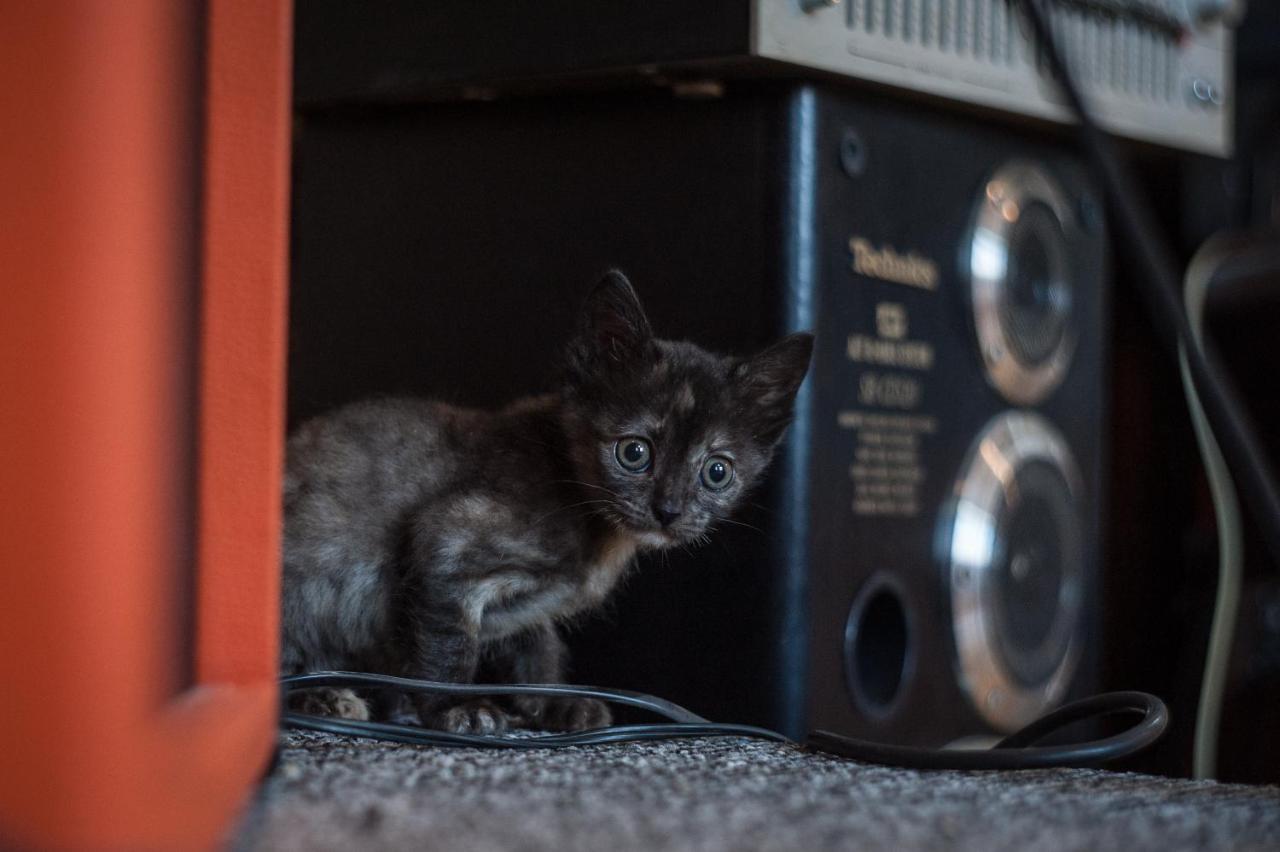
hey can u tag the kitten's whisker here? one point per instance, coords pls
(741, 524)
(570, 506)
(588, 485)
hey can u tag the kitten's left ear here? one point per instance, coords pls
(613, 324)
(768, 382)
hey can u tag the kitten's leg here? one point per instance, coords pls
(342, 703)
(442, 649)
(322, 701)
(384, 704)
(538, 656)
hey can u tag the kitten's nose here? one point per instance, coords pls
(666, 513)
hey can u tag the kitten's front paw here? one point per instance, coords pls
(340, 703)
(530, 710)
(575, 714)
(470, 717)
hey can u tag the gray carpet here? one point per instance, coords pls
(717, 794)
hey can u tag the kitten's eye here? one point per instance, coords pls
(634, 454)
(717, 473)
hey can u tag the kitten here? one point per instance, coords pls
(437, 542)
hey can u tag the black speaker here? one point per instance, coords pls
(922, 564)
(956, 428)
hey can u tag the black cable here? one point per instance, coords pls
(1159, 286)
(1019, 750)
(1016, 752)
(413, 735)
(657, 706)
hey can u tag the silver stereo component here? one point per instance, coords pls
(1153, 70)
(1142, 81)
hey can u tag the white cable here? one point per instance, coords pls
(1226, 510)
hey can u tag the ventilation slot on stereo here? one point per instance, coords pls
(1126, 57)
(978, 29)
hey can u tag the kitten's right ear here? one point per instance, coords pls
(768, 382)
(613, 325)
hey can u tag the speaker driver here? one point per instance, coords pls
(1015, 566)
(1021, 281)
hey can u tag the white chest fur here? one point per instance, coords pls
(503, 605)
(611, 563)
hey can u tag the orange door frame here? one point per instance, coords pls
(103, 745)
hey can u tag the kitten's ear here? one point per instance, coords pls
(613, 325)
(767, 383)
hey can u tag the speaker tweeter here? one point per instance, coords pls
(1023, 285)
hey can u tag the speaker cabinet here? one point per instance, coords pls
(922, 565)
(955, 433)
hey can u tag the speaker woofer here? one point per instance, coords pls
(1022, 282)
(1015, 566)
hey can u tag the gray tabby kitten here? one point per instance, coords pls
(443, 543)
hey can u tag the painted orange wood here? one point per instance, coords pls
(242, 364)
(101, 748)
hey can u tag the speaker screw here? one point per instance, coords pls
(853, 154)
